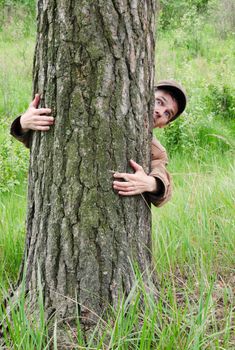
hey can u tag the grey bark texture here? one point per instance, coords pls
(94, 66)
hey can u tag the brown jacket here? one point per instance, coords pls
(159, 162)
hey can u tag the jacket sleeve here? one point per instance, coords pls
(16, 131)
(159, 161)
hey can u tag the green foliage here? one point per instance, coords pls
(194, 54)
(224, 18)
(17, 19)
(199, 219)
(12, 233)
(13, 160)
(29, 4)
(172, 12)
(190, 33)
(21, 329)
(220, 100)
(15, 86)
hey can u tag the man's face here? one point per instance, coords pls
(165, 109)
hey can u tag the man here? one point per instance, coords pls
(170, 102)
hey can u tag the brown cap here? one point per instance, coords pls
(177, 91)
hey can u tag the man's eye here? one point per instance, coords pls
(167, 114)
(158, 102)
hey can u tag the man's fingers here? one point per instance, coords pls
(121, 175)
(126, 190)
(44, 117)
(42, 128)
(122, 184)
(125, 176)
(130, 193)
(35, 101)
(126, 187)
(41, 111)
(135, 165)
(43, 122)
(37, 119)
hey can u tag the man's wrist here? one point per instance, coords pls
(23, 129)
(153, 186)
(156, 186)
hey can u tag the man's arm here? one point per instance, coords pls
(34, 118)
(157, 185)
(159, 161)
(16, 132)
(136, 183)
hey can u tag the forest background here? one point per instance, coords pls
(193, 235)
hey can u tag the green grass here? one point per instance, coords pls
(197, 225)
(17, 41)
(15, 76)
(12, 233)
(193, 235)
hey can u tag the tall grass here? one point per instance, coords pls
(17, 35)
(197, 225)
(193, 235)
(12, 233)
(176, 317)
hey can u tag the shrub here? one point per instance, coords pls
(220, 100)
(172, 12)
(224, 17)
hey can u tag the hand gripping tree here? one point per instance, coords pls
(94, 66)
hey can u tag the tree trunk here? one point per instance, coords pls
(94, 66)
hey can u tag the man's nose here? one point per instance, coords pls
(159, 110)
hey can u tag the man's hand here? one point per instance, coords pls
(36, 118)
(136, 183)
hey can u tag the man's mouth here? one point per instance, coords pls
(155, 117)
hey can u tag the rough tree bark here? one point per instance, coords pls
(94, 66)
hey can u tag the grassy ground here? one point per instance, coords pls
(193, 235)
